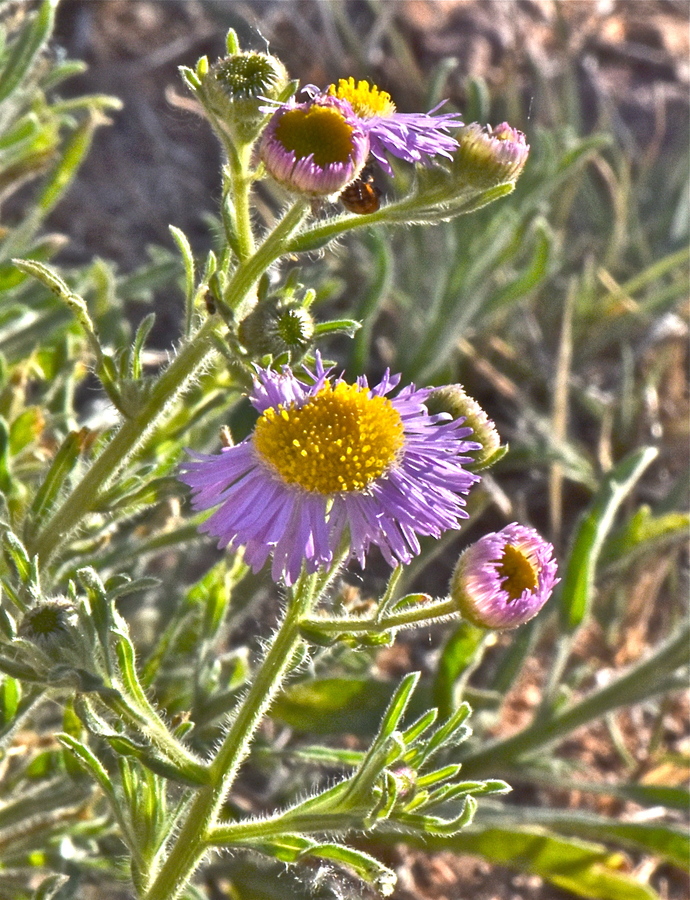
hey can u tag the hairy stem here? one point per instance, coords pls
(190, 843)
(422, 614)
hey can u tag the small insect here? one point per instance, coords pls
(362, 196)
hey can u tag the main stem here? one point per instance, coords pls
(191, 841)
(238, 161)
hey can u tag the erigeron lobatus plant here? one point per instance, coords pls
(321, 470)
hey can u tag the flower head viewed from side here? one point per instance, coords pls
(328, 458)
(414, 137)
(489, 156)
(505, 578)
(314, 148)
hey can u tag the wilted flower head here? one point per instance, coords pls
(454, 400)
(328, 458)
(505, 578)
(414, 137)
(314, 148)
(490, 156)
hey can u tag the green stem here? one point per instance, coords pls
(241, 182)
(84, 498)
(147, 722)
(316, 823)
(273, 247)
(191, 841)
(415, 616)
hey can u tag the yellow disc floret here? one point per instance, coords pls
(517, 572)
(318, 130)
(365, 99)
(341, 439)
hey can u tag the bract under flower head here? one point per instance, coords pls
(314, 148)
(414, 137)
(505, 578)
(325, 458)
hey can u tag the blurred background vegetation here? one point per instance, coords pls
(564, 311)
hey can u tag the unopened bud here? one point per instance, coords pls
(505, 578)
(276, 327)
(453, 399)
(236, 89)
(490, 156)
(50, 623)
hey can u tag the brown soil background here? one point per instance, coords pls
(158, 164)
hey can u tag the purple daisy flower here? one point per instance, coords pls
(505, 578)
(314, 148)
(328, 458)
(414, 137)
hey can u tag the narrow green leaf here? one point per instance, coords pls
(587, 870)
(10, 695)
(578, 581)
(187, 254)
(142, 333)
(398, 705)
(661, 839)
(62, 465)
(89, 762)
(459, 653)
(14, 547)
(71, 158)
(50, 886)
(367, 868)
(26, 48)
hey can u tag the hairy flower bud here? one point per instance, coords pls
(50, 623)
(235, 89)
(505, 578)
(490, 156)
(455, 400)
(276, 327)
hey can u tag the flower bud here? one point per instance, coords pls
(50, 623)
(314, 148)
(490, 156)
(276, 328)
(235, 89)
(453, 399)
(505, 578)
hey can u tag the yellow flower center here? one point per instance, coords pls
(364, 98)
(321, 130)
(342, 439)
(517, 572)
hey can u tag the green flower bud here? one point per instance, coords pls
(490, 156)
(277, 327)
(485, 166)
(455, 400)
(51, 623)
(236, 88)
